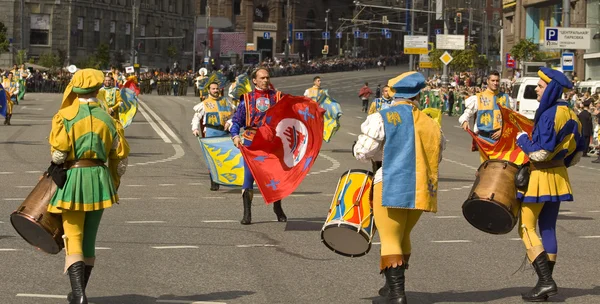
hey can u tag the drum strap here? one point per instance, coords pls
(83, 163)
(547, 164)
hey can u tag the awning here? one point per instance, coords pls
(215, 22)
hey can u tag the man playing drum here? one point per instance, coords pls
(249, 115)
(485, 106)
(83, 138)
(411, 144)
(556, 143)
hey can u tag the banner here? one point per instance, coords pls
(3, 101)
(506, 148)
(128, 108)
(224, 161)
(331, 118)
(434, 113)
(242, 86)
(285, 147)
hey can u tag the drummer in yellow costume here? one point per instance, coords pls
(315, 92)
(82, 140)
(410, 144)
(110, 97)
(486, 106)
(556, 143)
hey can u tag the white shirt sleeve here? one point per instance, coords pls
(369, 144)
(470, 109)
(306, 93)
(512, 104)
(198, 115)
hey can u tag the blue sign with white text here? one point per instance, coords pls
(299, 36)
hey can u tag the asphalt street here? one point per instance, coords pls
(171, 240)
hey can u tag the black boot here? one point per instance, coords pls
(8, 117)
(551, 266)
(394, 281)
(545, 286)
(385, 290)
(86, 278)
(213, 186)
(247, 199)
(279, 212)
(77, 277)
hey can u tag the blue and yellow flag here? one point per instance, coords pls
(224, 161)
(331, 118)
(242, 86)
(128, 108)
(3, 102)
(434, 113)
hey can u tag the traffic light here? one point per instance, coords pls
(459, 17)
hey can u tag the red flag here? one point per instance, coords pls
(285, 147)
(131, 83)
(506, 148)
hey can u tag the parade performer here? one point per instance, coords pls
(315, 92)
(213, 114)
(23, 74)
(382, 102)
(11, 87)
(249, 115)
(199, 82)
(110, 96)
(485, 106)
(410, 143)
(83, 138)
(556, 143)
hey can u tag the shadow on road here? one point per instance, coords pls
(141, 299)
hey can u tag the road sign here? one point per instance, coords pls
(384, 31)
(450, 42)
(446, 58)
(338, 35)
(267, 35)
(568, 62)
(356, 34)
(206, 59)
(299, 36)
(571, 38)
(510, 61)
(425, 62)
(325, 35)
(365, 35)
(438, 31)
(388, 35)
(415, 44)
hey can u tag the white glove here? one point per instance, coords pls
(522, 134)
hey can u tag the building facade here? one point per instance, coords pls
(74, 30)
(591, 57)
(527, 19)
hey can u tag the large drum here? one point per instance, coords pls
(492, 205)
(34, 223)
(349, 227)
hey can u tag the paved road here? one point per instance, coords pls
(171, 240)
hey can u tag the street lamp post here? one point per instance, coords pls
(327, 30)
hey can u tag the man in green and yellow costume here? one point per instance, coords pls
(110, 97)
(83, 139)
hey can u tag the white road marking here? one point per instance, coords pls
(24, 187)
(376, 243)
(33, 172)
(593, 211)
(255, 245)
(220, 221)
(166, 185)
(188, 302)
(195, 184)
(334, 164)
(144, 222)
(154, 126)
(1, 222)
(47, 296)
(135, 185)
(452, 241)
(350, 133)
(175, 247)
(359, 117)
(30, 108)
(590, 237)
(514, 239)
(14, 199)
(459, 163)
(8, 249)
(102, 248)
(6, 173)
(447, 216)
(161, 122)
(566, 212)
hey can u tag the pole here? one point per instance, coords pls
(470, 23)
(207, 49)
(445, 70)
(134, 11)
(22, 25)
(326, 29)
(411, 58)
(195, 39)
(428, 30)
(289, 22)
(69, 26)
(566, 23)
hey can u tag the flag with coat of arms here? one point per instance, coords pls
(285, 147)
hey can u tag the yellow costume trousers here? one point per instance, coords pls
(544, 214)
(80, 230)
(394, 226)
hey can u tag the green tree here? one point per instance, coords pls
(434, 56)
(526, 50)
(21, 57)
(466, 59)
(49, 60)
(89, 62)
(3, 41)
(172, 52)
(103, 56)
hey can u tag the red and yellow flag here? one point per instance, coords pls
(506, 147)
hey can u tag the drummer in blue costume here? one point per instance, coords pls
(556, 143)
(410, 143)
(214, 114)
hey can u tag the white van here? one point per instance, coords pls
(591, 86)
(525, 97)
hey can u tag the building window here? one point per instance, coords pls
(237, 7)
(112, 42)
(171, 6)
(203, 7)
(157, 41)
(142, 43)
(261, 14)
(40, 29)
(128, 36)
(496, 3)
(496, 17)
(184, 43)
(80, 31)
(96, 32)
